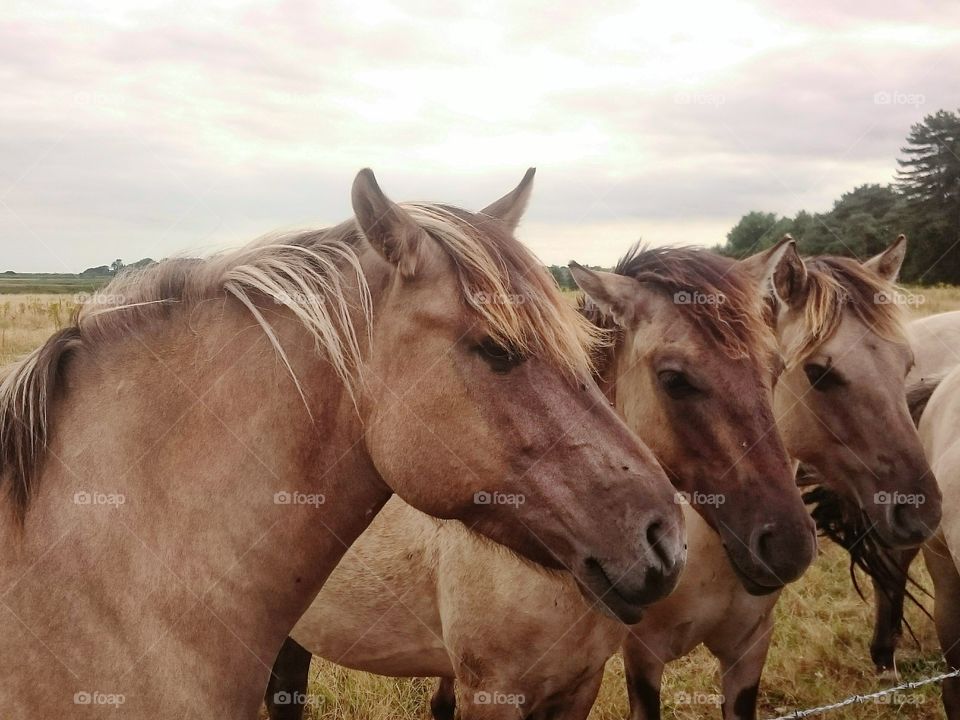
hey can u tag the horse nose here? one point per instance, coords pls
(908, 526)
(783, 555)
(664, 545)
(663, 553)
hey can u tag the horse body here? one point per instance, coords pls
(174, 609)
(164, 454)
(939, 431)
(935, 340)
(708, 607)
(398, 605)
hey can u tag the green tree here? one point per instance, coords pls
(754, 232)
(929, 180)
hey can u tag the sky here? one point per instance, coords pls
(152, 128)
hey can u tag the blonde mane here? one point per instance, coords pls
(501, 283)
(835, 285)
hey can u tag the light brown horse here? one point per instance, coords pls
(935, 341)
(940, 432)
(841, 405)
(186, 467)
(694, 362)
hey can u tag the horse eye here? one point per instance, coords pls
(676, 384)
(500, 358)
(822, 377)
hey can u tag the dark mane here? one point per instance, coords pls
(710, 289)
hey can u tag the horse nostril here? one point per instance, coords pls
(763, 544)
(659, 542)
(906, 522)
(653, 532)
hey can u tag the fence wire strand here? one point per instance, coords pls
(857, 699)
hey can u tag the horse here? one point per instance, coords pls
(164, 452)
(691, 366)
(935, 340)
(841, 408)
(938, 431)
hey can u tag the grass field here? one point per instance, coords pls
(820, 648)
(45, 283)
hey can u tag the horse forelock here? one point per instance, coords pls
(835, 286)
(509, 290)
(712, 291)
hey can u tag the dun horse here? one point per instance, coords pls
(940, 432)
(692, 369)
(935, 341)
(186, 466)
(841, 408)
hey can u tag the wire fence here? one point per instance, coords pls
(869, 697)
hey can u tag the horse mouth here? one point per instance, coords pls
(597, 588)
(752, 586)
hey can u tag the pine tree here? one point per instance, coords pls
(929, 179)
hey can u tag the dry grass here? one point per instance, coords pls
(819, 654)
(820, 647)
(27, 320)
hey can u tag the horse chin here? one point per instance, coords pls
(752, 586)
(600, 594)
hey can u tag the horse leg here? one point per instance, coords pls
(287, 687)
(946, 584)
(888, 621)
(443, 704)
(644, 671)
(578, 704)
(482, 705)
(740, 670)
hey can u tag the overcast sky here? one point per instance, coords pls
(148, 128)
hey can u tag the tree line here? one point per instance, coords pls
(923, 203)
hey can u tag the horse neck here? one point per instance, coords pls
(199, 430)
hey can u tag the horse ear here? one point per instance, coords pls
(888, 263)
(387, 226)
(780, 269)
(616, 295)
(510, 207)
